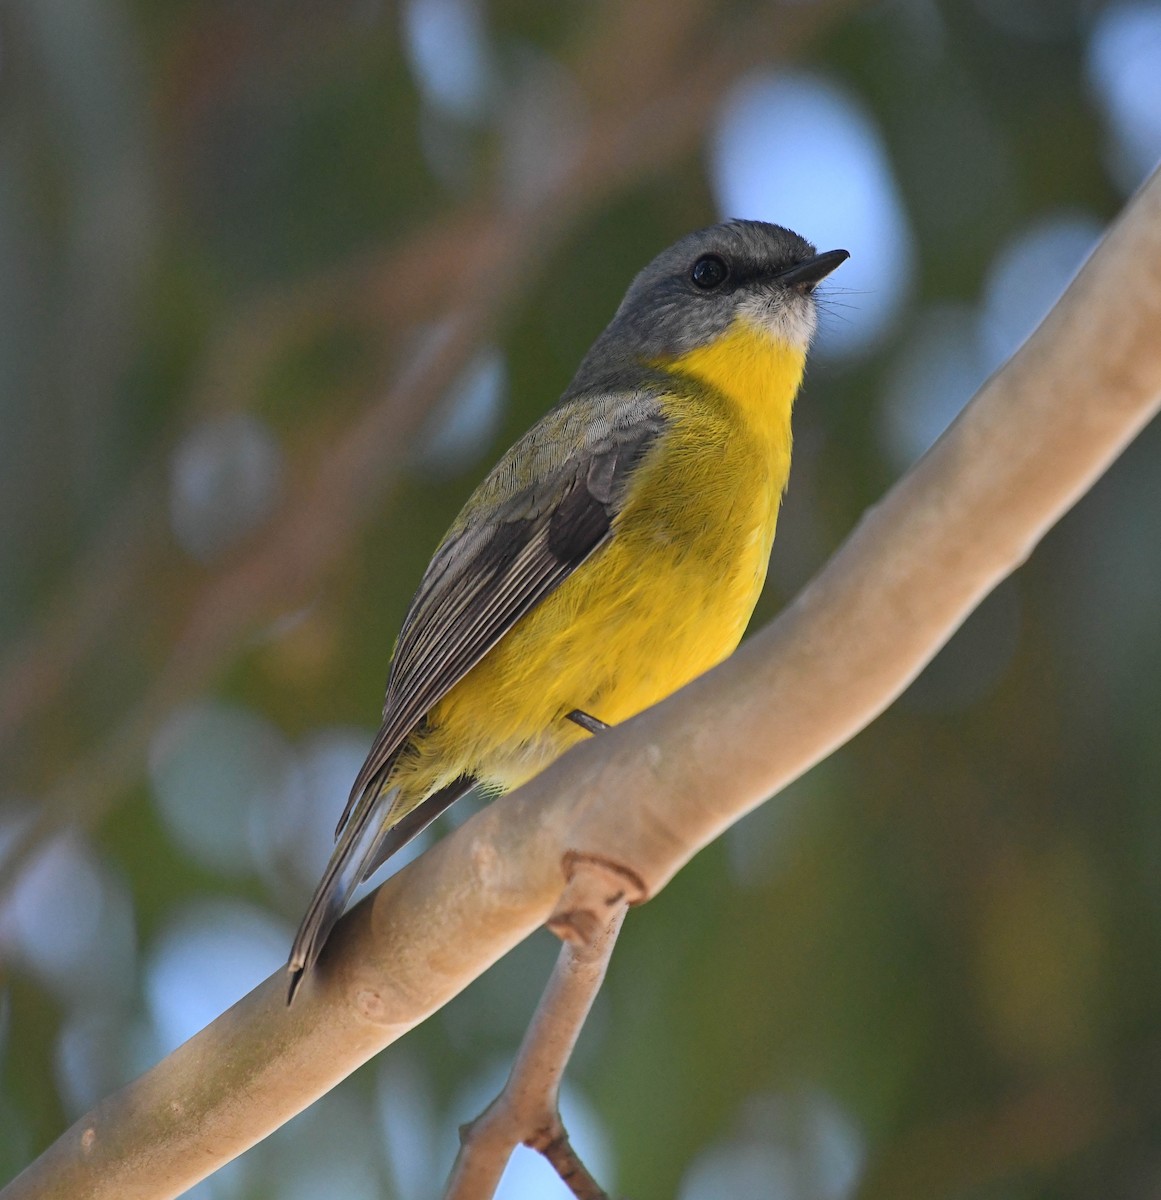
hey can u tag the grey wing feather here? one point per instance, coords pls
(514, 544)
(549, 504)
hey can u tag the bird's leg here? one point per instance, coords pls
(592, 724)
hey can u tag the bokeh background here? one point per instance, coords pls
(278, 281)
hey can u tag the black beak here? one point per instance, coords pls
(812, 270)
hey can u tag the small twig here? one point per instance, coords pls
(587, 919)
(553, 1143)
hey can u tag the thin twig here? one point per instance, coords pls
(527, 1109)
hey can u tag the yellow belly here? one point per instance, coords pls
(610, 651)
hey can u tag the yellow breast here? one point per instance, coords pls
(750, 380)
(756, 373)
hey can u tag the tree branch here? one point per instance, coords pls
(649, 794)
(527, 1111)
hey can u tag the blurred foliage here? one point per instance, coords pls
(928, 969)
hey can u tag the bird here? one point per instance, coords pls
(614, 553)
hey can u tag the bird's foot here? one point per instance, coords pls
(592, 724)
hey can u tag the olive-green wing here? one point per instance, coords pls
(548, 505)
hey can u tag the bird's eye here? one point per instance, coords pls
(709, 272)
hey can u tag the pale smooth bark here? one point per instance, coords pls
(645, 797)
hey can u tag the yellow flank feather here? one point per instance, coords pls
(668, 597)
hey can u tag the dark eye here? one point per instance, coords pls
(709, 272)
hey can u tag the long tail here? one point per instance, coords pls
(363, 846)
(342, 875)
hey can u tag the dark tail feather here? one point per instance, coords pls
(416, 821)
(363, 848)
(341, 877)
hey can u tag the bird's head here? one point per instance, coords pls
(741, 271)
